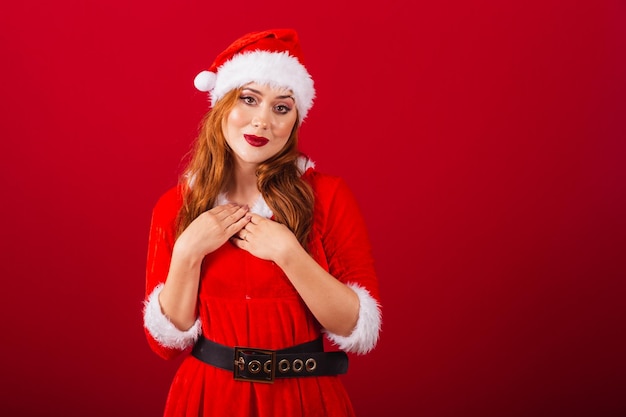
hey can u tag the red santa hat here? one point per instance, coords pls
(271, 57)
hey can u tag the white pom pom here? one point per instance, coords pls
(205, 81)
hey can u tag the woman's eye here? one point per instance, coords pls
(247, 99)
(281, 108)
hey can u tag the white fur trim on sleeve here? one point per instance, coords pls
(365, 335)
(162, 329)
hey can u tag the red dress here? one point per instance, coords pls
(247, 301)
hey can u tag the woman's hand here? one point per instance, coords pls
(206, 233)
(210, 230)
(266, 239)
(334, 304)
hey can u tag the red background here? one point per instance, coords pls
(485, 141)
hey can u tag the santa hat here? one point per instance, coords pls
(271, 57)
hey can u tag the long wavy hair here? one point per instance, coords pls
(278, 179)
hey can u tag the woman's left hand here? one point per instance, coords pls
(266, 239)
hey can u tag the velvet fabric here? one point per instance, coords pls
(247, 301)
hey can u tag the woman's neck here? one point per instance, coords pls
(243, 188)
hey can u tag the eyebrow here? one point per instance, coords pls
(278, 97)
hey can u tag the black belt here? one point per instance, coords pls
(263, 365)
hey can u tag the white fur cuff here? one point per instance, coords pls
(365, 335)
(162, 329)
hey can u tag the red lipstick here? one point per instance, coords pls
(257, 141)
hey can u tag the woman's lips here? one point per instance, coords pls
(257, 141)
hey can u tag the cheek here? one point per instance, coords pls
(284, 129)
(231, 126)
(237, 117)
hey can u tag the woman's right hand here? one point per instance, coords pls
(210, 230)
(206, 233)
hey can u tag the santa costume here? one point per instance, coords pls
(250, 317)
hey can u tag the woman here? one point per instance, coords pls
(255, 254)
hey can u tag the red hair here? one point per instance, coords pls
(278, 179)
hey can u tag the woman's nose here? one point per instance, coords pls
(260, 119)
(258, 122)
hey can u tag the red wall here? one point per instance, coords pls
(485, 141)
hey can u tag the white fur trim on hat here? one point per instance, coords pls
(367, 330)
(162, 329)
(277, 69)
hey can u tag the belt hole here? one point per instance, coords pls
(254, 367)
(298, 365)
(310, 364)
(283, 366)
